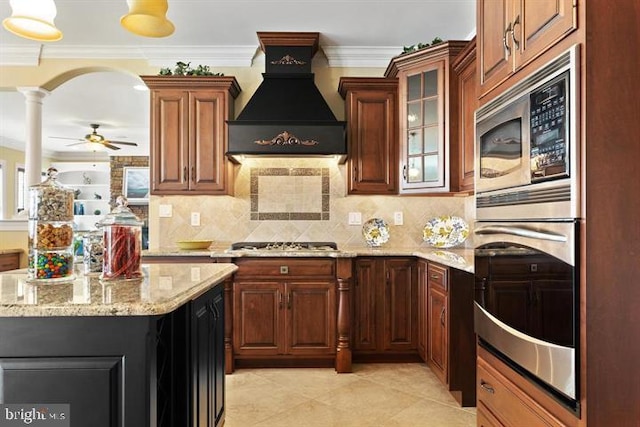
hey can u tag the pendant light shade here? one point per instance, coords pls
(33, 19)
(147, 18)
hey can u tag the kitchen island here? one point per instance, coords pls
(147, 352)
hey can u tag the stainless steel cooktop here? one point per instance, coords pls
(284, 246)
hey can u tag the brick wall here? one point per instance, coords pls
(117, 163)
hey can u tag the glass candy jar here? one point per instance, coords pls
(50, 231)
(92, 252)
(122, 239)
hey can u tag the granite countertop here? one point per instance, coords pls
(460, 258)
(163, 288)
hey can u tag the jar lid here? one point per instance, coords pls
(120, 215)
(51, 182)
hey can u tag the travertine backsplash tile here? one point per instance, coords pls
(228, 219)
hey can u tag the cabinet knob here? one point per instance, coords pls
(184, 174)
(284, 269)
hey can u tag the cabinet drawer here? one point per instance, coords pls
(9, 261)
(285, 267)
(437, 275)
(506, 402)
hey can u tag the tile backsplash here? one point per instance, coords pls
(295, 199)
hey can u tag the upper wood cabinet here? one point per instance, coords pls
(189, 134)
(371, 109)
(462, 154)
(511, 33)
(428, 95)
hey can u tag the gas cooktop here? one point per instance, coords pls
(284, 246)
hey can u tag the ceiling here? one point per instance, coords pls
(209, 32)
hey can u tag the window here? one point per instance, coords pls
(21, 188)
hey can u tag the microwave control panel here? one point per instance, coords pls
(549, 130)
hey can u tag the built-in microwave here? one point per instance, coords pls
(526, 146)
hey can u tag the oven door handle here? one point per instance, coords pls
(522, 232)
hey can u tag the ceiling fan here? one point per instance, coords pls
(95, 138)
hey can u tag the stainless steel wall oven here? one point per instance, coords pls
(527, 301)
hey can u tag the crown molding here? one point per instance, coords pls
(360, 56)
(20, 55)
(164, 56)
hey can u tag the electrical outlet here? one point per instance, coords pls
(398, 218)
(195, 219)
(355, 218)
(165, 211)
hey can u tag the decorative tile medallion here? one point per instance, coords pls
(285, 194)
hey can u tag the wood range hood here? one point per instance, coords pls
(287, 115)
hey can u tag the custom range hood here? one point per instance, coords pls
(287, 115)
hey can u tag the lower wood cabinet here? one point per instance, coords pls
(284, 312)
(10, 261)
(506, 399)
(385, 308)
(448, 322)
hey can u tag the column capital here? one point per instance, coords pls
(33, 92)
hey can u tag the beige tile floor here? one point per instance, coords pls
(374, 395)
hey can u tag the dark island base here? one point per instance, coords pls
(116, 371)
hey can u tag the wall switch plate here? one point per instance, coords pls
(398, 218)
(165, 211)
(355, 218)
(195, 219)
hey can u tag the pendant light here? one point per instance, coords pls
(33, 19)
(147, 18)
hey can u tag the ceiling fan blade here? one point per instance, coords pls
(133, 144)
(112, 147)
(77, 143)
(64, 137)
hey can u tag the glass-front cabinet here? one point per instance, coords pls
(428, 116)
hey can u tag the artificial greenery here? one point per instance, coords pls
(184, 69)
(414, 47)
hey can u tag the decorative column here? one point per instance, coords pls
(343, 348)
(33, 133)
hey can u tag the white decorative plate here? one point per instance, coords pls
(445, 231)
(375, 232)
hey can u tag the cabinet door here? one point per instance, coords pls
(539, 25)
(400, 310)
(422, 131)
(364, 304)
(311, 318)
(462, 150)
(169, 140)
(372, 117)
(207, 141)
(258, 318)
(494, 41)
(438, 337)
(423, 319)
(207, 358)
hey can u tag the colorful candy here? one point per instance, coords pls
(51, 265)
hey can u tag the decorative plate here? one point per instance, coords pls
(375, 232)
(445, 231)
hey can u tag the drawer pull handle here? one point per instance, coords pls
(280, 300)
(289, 300)
(516, 42)
(435, 276)
(507, 49)
(488, 387)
